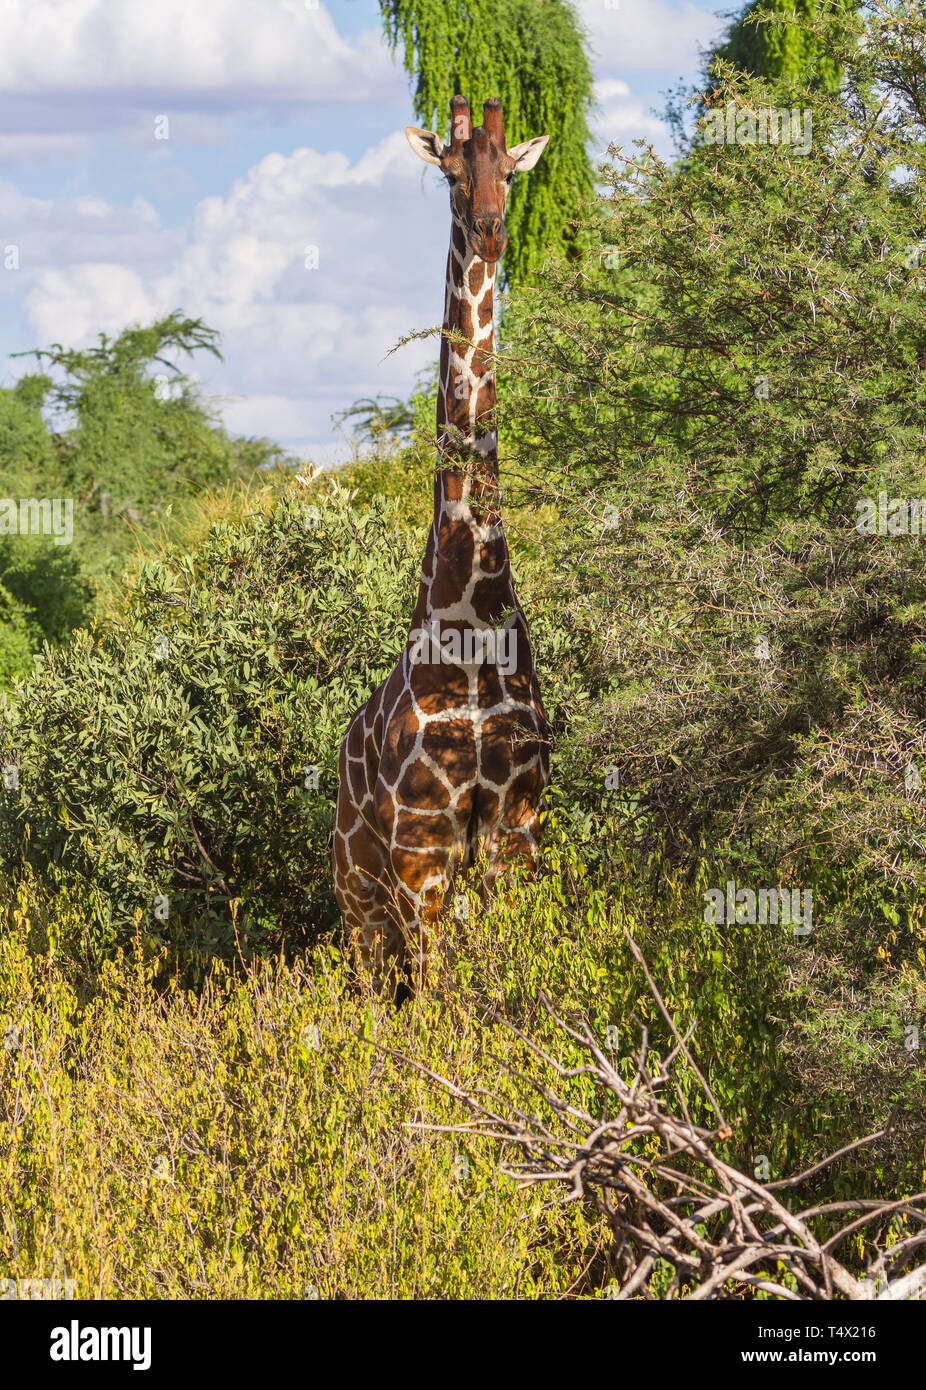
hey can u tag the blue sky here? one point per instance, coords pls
(284, 123)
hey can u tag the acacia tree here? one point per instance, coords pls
(746, 359)
(532, 57)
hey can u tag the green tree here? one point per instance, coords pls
(790, 40)
(135, 437)
(531, 56)
(137, 432)
(19, 638)
(28, 462)
(377, 419)
(131, 442)
(726, 393)
(43, 594)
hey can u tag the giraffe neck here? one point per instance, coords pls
(466, 574)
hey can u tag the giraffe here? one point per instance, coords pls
(449, 757)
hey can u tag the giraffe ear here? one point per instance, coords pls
(525, 156)
(425, 143)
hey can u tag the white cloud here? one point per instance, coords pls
(313, 338)
(27, 148)
(75, 248)
(642, 37)
(180, 55)
(71, 306)
(622, 119)
(649, 35)
(609, 89)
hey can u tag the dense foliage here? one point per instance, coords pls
(123, 437)
(164, 761)
(799, 50)
(726, 407)
(715, 404)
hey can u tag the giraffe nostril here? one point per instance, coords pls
(487, 226)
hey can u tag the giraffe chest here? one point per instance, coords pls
(459, 742)
(472, 684)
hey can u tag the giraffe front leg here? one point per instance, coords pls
(424, 880)
(512, 809)
(366, 895)
(379, 952)
(421, 938)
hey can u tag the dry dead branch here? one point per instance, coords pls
(666, 1194)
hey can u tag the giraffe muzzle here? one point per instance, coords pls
(488, 237)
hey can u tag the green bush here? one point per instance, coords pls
(165, 760)
(48, 582)
(18, 637)
(309, 1144)
(262, 1137)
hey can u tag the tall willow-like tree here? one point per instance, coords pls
(799, 47)
(529, 53)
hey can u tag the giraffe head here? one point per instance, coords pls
(479, 168)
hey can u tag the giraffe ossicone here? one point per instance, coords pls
(449, 758)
